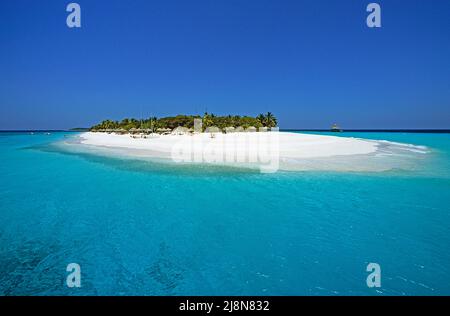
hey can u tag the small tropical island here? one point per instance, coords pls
(230, 140)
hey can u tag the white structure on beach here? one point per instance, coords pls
(229, 129)
(180, 130)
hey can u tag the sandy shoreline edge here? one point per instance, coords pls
(291, 145)
(270, 151)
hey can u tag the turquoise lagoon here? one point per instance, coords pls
(146, 228)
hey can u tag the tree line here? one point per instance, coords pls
(171, 122)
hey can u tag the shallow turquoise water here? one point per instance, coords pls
(142, 228)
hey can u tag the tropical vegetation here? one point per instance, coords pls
(154, 124)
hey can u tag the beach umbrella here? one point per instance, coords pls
(180, 130)
(163, 130)
(229, 129)
(212, 129)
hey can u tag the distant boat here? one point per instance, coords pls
(336, 128)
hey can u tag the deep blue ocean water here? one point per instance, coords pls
(140, 228)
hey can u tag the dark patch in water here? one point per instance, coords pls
(23, 266)
(164, 271)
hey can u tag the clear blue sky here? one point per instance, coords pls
(311, 63)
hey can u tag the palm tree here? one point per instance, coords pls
(153, 121)
(208, 120)
(271, 120)
(262, 119)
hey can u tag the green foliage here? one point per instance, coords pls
(268, 120)
(153, 123)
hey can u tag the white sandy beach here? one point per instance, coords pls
(291, 145)
(271, 151)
